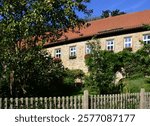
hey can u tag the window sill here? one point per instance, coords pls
(127, 49)
(72, 57)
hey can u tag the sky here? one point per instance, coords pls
(127, 6)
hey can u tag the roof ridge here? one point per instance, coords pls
(117, 16)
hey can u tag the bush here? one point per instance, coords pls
(31, 72)
(71, 86)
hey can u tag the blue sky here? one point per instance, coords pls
(127, 6)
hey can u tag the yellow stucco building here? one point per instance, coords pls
(114, 33)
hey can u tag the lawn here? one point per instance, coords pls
(134, 85)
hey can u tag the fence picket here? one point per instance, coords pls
(107, 101)
(104, 102)
(67, 102)
(5, 103)
(59, 103)
(36, 102)
(11, 103)
(92, 102)
(63, 102)
(71, 102)
(31, 103)
(101, 101)
(26, 102)
(45, 102)
(75, 102)
(41, 105)
(55, 102)
(79, 102)
(95, 101)
(98, 101)
(50, 103)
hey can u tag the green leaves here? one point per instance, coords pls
(24, 18)
(101, 64)
(23, 23)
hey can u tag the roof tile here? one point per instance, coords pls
(125, 21)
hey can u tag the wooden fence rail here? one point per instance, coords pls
(113, 101)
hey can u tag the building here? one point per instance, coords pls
(114, 33)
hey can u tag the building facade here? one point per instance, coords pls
(113, 33)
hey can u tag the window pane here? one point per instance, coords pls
(110, 45)
(88, 49)
(58, 53)
(127, 42)
(73, 51)
(146, 39)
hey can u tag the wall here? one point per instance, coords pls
(78, 63)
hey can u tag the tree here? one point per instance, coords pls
(26, 24)
(102, 69)
(108, 13)
(144, 59)
(129, 63)
(35, 73)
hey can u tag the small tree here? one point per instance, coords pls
(129, 63)
(108, 13)
(102, 69)
(33, 72)
(144, 59)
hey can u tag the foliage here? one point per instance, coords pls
(25, 26)
(72, 86)
(134, 85)
(107, 13)
(129, 62)
(102, 69)
(35, 73)
(103, 66)
(144, 59)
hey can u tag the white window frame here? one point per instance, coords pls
(73, 51)
(58, 53)
(110, 44)
(128, 42)
(87, 49)
(146, 39)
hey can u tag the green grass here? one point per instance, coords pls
(134, 85)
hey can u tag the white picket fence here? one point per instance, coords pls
(86, 101)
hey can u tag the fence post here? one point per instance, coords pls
(142, 98)
(86, 100)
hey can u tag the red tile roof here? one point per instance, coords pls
(100, 26)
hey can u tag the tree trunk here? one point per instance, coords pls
(11, 82)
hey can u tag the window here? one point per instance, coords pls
(146, 39)
(110, 45)
(88, 49)
(72, 52)
(127, 42)
(58, 53)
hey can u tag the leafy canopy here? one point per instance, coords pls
(24, 68)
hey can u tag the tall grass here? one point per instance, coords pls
(133, 85)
